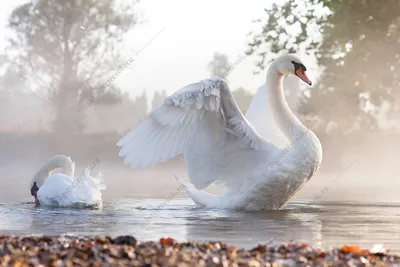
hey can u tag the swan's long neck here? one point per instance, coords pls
(286, 121)
(58, 161)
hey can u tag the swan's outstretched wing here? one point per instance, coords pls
(199, 121)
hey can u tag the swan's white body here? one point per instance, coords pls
(202, 121)
(65, 190)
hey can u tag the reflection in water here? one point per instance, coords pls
(362, 224)
(323, 224)
(247, 229)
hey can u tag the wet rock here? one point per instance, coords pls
(125, 240)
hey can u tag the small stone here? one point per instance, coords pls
(125, 240)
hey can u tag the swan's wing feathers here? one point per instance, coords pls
(197, 121)
(201, 95)
(245, 133)
(170, 129)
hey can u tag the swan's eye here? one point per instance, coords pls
(298, 66)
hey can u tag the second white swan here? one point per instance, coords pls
(63, 189)
(203, 122)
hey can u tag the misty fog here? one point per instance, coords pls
(78, 111)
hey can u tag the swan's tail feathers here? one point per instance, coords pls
(199, 197)
(185, 184)
(98, 180)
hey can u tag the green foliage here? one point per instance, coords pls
(356, 44)
(288, 28)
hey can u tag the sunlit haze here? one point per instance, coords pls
(193, 32)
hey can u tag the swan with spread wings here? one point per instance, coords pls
(220, 145)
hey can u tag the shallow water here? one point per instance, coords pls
(322, 224)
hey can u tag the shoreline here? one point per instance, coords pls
(126, 250)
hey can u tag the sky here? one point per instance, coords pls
(192, 32)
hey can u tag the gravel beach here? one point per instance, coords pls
(127, 251)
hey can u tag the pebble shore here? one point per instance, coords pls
(127, 251)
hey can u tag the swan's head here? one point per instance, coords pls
(38, 180)
(290, 64)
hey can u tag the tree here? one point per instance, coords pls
(141, 107)
(219, 65)
(357, 51)
(20, 109)
(67, 48)
(158, 99)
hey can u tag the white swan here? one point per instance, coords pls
(202, 121)
(63, 189)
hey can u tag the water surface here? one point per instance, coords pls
(322, 224)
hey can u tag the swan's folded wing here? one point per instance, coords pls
(198, 121)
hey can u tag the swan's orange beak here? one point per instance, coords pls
(302, 75)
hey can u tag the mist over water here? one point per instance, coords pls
(371, 178)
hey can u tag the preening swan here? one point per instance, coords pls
(203, 122)
(63, 189)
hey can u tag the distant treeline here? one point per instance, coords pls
(85, 148)
(38, 147)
